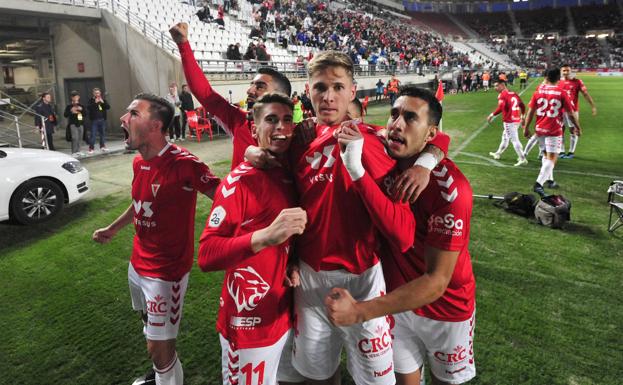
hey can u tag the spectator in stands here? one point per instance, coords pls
(220, 18)
(262, 55)
(250, 53)
(175, 127)
(188, 104)
(233, 52)
(297, 111)
(204, 14)
(97, 108)
(392, 89)
(75, 114)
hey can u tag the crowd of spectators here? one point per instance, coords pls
(597, 17)
(487, 25)
(616, 51)
(370, 40)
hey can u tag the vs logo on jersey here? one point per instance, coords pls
(247, 288)
(316, 158)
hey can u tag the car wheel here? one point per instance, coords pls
(36, 201)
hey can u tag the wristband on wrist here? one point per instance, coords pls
(426, 160)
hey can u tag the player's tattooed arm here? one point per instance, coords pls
(413, 181)
(344, 310)
(105, 234)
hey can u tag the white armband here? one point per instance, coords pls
(426, 160)
(352, 159)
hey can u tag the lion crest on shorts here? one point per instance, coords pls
(246, 287)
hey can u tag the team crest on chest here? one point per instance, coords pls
(154, 188)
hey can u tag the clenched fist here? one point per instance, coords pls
(179, 33)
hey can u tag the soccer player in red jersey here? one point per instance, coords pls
(248, 234)
(573, 86)
(512, 109)
(164, 196)
(339, 246)
(237, 122)
(547, 103)
(431, 285)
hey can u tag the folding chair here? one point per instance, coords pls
(615, 200)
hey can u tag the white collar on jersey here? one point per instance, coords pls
(164, 149)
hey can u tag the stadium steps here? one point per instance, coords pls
(516, 28)
(571, 30)
(503, 59)
(471, 34)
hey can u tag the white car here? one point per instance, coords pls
(36, 184)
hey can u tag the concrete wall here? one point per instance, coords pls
(75, 42)
(132, 64)
(25, 76)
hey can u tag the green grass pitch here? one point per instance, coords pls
(548, 301)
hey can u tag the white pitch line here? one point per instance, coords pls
(523, 168)
(474, 134)
(492, 161)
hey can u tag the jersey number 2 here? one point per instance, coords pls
(248, 371)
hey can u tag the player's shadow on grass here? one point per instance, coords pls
(14, 235)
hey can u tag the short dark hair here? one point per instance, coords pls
(74, 93)
(501, 81)
(553, 74)
(434, 107)
(271, 97)
(281, 81)
(565, 65)
(358, 104)
(44, 94)
(159, 108)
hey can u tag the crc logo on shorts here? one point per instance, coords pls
(376, 346)
(158, 306)
(457, 356)
(446, 225)
(247, 288)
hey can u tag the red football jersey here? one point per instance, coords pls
(549, 102)
(254, 304)
(340, 233)
(164, 195)
(573, 88)
(232, 119)
(511, 107)
(442, 214)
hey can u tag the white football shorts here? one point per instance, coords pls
(162, 301)
(550, 144)
(567, 121)
(447, 346)
(265, 365)
(318, 344)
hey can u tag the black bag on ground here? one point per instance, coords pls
(518, 203)
(553, 211)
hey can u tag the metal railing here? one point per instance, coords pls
(15, 132)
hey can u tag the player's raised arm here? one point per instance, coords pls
(199, 85)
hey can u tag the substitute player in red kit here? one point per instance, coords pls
(339, 245)
(573, 86)
(431, 285)
(547, 103)
(237, 122)
(164, 195)
(248, 234)
(512, 109)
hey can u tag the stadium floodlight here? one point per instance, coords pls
(590, 35)
(603, 35)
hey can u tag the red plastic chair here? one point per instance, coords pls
(199, 124)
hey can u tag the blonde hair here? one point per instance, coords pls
(331, 59)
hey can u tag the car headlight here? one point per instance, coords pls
(73, 166)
